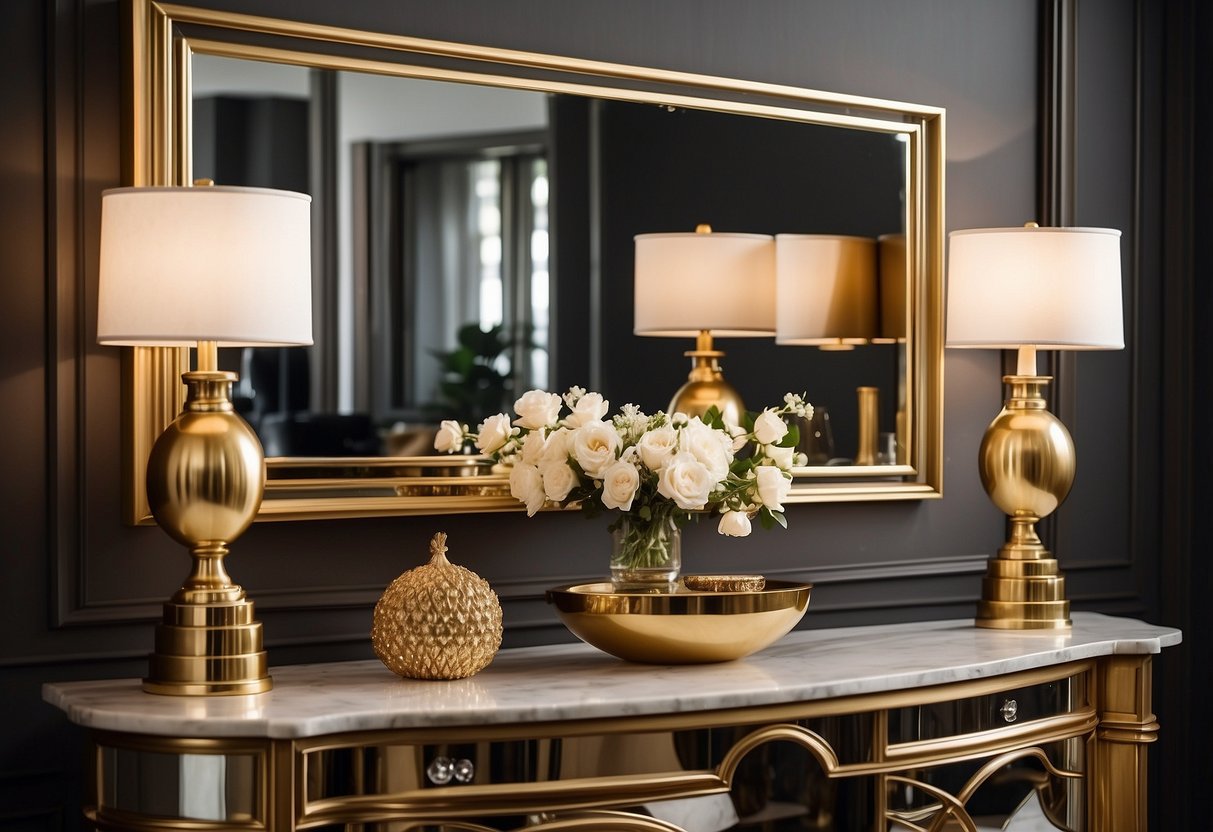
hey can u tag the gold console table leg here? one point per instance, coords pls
(1127, 726)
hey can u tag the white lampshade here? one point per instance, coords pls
(695, 281)
(826, 285)
(1054, 288)
(224, 264)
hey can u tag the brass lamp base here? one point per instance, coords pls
(206, 477)
(208, 650)
(705, 386)
(1023, 589)
(1027, 465)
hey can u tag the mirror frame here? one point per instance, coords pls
(164, 37)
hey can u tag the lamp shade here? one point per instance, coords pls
(826, 286)
(891, 249)
(224, 264)
(686, 283)
(1054, 288)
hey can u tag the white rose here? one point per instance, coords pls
(711, 447)
(686, 481)
(533, 446)
(657, 447)
(537, 409)
(773, 486)
(449, 438)
(594, 445)
(769, 428)
(590, 407)
(558, 480)
(494, 432)
(526, 486)
(619, 485)
(782, 457)
(734, 524)
(556, 448)
(739, 436)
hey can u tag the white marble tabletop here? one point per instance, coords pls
(576, 681)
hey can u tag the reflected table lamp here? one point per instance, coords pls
(1026, 289)
(702, 284)
(825, 289)
(205, 266)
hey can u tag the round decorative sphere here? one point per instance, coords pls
(438, 621)
(1027, 462)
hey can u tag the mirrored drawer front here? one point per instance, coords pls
(387, 768)
(987, 713)
(193, 787)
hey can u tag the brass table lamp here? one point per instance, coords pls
(1024, 289)
(700, 285)
(215, 266)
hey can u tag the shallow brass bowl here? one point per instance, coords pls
(682, 626)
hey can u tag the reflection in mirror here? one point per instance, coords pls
(440, 247)
(484, 246)
(624, 150)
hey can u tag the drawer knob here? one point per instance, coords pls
(464, 771)
(1009, 710)
(443, 770)
(440, 770)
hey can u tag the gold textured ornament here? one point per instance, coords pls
(438, 621)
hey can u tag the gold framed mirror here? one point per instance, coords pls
(168, 40)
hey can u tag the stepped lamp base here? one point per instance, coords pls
(208, 650)
(1023, 594)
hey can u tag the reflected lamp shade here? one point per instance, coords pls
(1051, 288)
(826, 286)
(225, 264)
(893, 269)
(690, 282)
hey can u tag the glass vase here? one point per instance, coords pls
(645, 554)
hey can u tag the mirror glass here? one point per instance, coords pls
(484, 241)
(473, 221)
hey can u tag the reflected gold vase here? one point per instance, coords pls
(1027, 465)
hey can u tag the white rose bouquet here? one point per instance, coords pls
(656, 471)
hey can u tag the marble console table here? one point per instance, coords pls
(905, 723)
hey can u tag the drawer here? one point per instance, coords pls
(421, 768)
(989, 712)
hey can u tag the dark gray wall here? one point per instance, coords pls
(80, 590)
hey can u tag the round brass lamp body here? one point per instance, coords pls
(1027, 465)
(205, 480)
(206, 472)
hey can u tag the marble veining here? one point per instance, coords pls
(576, 681)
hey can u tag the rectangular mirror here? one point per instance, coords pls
(474, 211)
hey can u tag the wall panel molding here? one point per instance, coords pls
(65, 315)
(1070, 116)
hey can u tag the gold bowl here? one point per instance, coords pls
(682, 626)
